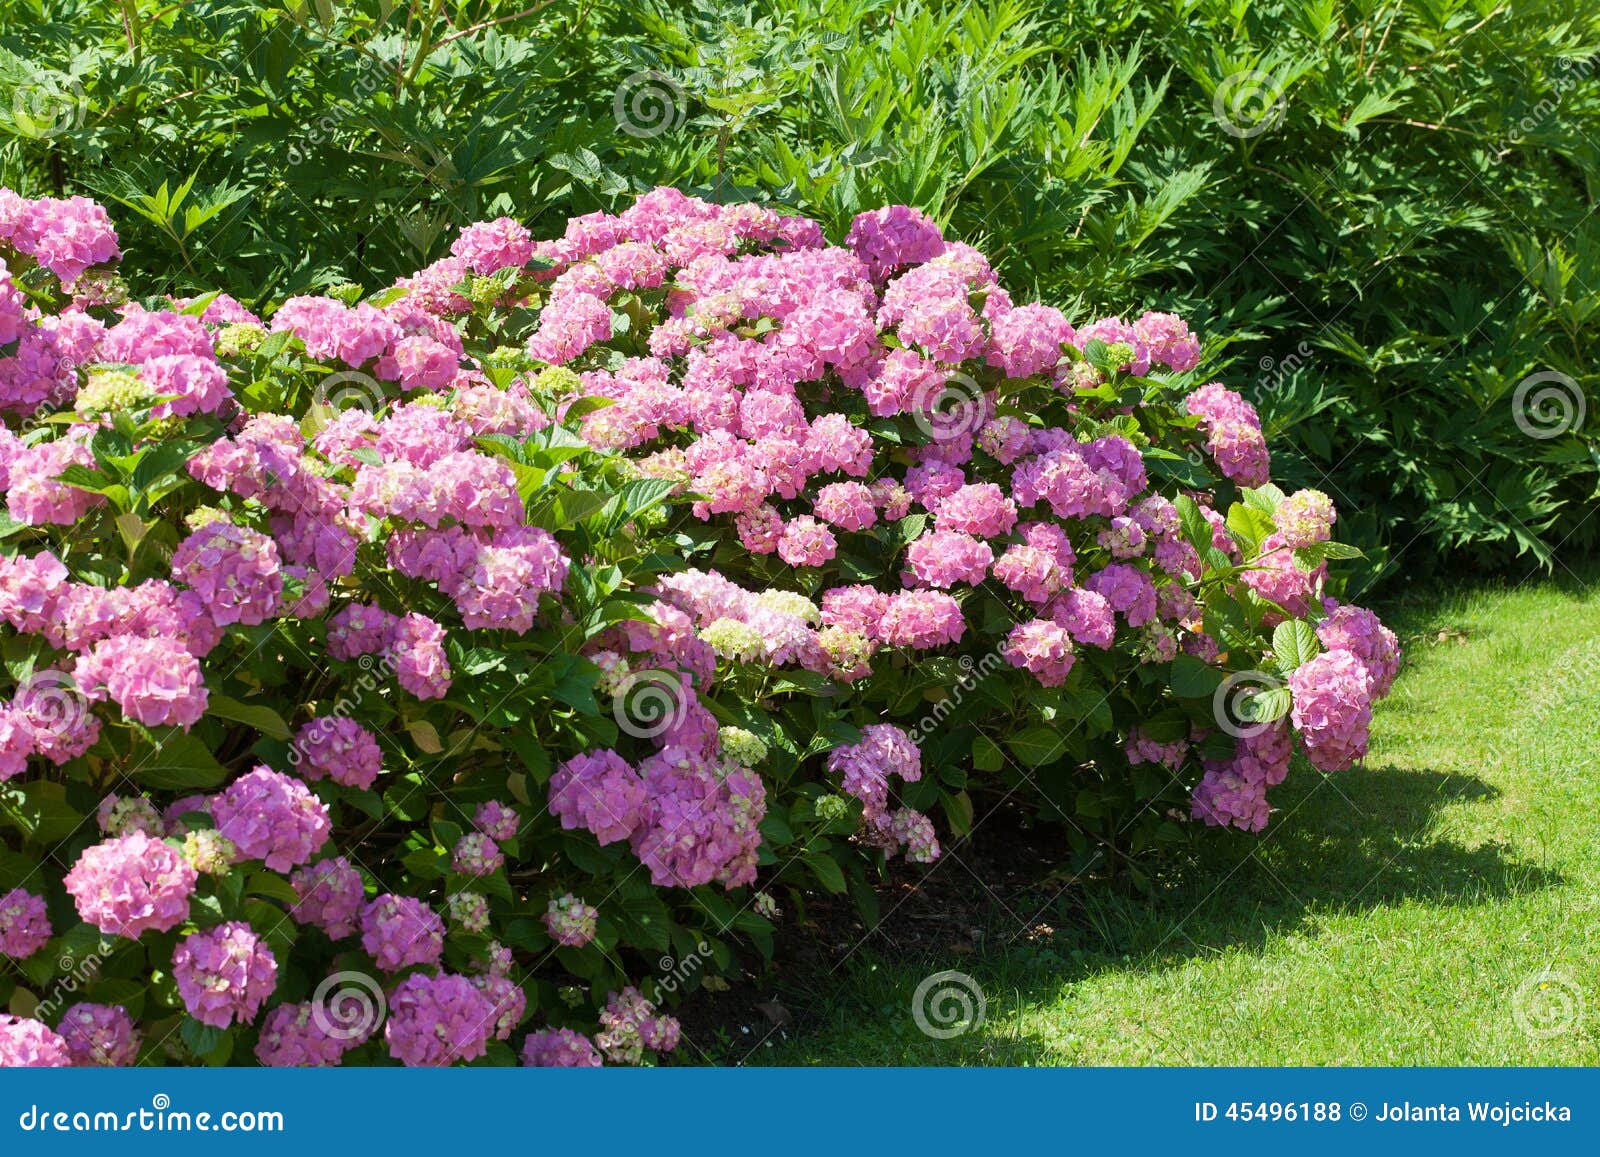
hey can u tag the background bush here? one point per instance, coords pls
(1398, 220)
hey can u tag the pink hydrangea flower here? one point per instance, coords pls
(339, 749)
(1234, 791)
(1041, 647)
(946, 558)
(1332, 708)
(497, 820)
(156, 681)
(570, 921)
(331, 896)
(1087, 615)
(99, 1035)
(24, 924)
(132, 884)
(1357, 630)
(806, 542)
(28, 1044)
(297, 1036)
(236, 572)
(475, 854)
(559, 1048)
(1305, 518)
(489, 246)
(920, 620)
(600, 792)
(224, 974)
(272, 817)
(436, 1021)
(417, 650)
(400, 931)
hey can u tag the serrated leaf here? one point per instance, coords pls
(1293, 643)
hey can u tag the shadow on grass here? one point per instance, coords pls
(1355, 842)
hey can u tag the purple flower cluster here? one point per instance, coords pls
(224, 974)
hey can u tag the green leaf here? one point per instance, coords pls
(827, 871)
(986, 756)
(1265, 498)
(1193, 522)
(180, 763)
(40, 810)
(424, 863)
(1294, 642)
(1192, 679)
(201, 1039)
(263, 718)
(1249, 523)
(1265, 706)
(1034, 746)
(272, 886)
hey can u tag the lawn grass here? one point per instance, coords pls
(1398, 913)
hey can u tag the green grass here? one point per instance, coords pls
(1389, 915)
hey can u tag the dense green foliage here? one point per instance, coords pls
(1383, 205)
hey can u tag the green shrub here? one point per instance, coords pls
(1378, 213)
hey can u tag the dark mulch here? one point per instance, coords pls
(998, 887)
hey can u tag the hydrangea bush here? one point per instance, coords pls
(454, 674)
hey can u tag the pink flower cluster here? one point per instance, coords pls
(340, 749)
(224, 974)
(272, 817)
(132, 884)
(689, 819)
(24, 924)
(1004, 497)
